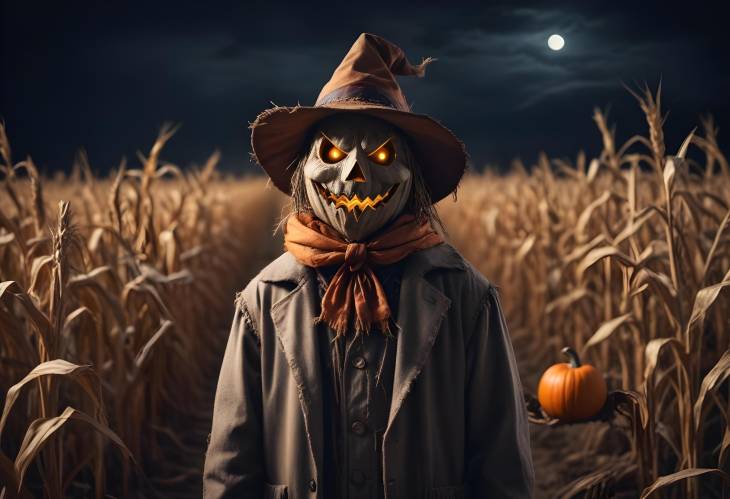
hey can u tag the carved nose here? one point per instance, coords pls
(356, 174)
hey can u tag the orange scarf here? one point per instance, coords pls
(355, 286)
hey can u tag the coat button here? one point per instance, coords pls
(358, 428)
(359, 362)
(313, 485)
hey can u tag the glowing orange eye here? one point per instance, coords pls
(383, 155)
(330, 153)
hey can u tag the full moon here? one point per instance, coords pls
(556, 42)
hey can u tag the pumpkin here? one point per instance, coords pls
(571, 391)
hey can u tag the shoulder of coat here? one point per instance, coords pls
(284, 269)
(445, 257)
(441, 256)
(469, 290)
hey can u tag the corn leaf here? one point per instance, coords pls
(42, 429)
(606, 329)
(598, 254)
(39, 320)
(654, 349)
(712, 381)
(703, 301)
(145, 355)
(81, 374)
(635, 399)
(667, 480)
(585, 216)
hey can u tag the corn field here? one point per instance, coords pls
(624, 258)
(116, 295)
(114, 309)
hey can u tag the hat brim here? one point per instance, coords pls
(279, 135)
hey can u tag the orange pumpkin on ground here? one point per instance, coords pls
(570, 391)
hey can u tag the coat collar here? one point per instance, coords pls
(421, 310)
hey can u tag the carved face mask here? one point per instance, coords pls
(356, 176)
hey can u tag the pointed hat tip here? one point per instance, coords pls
(421, 68)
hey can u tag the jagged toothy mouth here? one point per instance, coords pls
(354, 202)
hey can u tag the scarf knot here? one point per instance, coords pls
(354, 297)
(355, 256)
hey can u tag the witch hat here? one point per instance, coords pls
(364, 83)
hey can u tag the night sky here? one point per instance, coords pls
(106, 75)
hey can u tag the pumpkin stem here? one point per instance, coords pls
(572, 356)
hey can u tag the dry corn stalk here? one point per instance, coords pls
(628, 260)
(117, 299)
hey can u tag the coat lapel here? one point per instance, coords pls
(293, 318)
(421, 309)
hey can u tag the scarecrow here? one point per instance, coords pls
(370, 359)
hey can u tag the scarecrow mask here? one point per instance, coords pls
(356, 175)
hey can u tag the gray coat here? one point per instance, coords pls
(457, 426)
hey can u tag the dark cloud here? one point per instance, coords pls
(105, 76)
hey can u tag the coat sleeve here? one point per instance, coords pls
(233, 462)
(499, 462)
